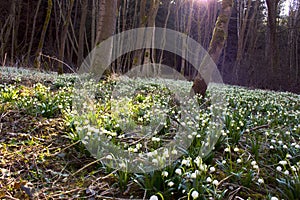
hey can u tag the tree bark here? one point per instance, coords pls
(37, 61)
(64, 36)
(84, 6)
(272, 43)
(215, 48)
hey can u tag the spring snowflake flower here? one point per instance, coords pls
(208, 179)
(283, 162)
(155, 161)
(239, 160)
(236, 149)
(174, 152)
(212, 169)
(153, 197)
(215, 182)
(171, 184)
(178, 171)
(186, 162)
(195, 194)
(260, 180)
(274, 198)
(278, 168)
(253, 162)
(286, 172)
(165, 174)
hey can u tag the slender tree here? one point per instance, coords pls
(37, 61)
(215, 48)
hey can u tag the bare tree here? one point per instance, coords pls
(215, 48)
(37, 61)
(272, 43)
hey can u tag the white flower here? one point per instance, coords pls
(155, 161)
(174, 152)
(212, 169)
(185, 162)
(278, 168)
(274, 198)
(224, 162)
(178, 171)
(153, 197)
(109, 157)
(236, 149)
(195, 194)
(208, 179)
(253, 162)
(227, 149)
(260, 180)
(286, 172)
(165, 174)
(193, 175)
(293, 168)
(288, 156)
(283, 162)
(170, 184)
(239, 160)
(215, 182)
(255, 166)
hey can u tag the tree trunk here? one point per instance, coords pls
(215, 48)
(84, 9)
(64, 36)
(33, 31)
(272, 44)
(37, 61)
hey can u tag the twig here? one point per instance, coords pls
(60, 61)
(86, 166)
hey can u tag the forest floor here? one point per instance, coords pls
(43, 156)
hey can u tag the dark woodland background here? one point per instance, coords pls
(262, 48)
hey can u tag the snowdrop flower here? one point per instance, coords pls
(195, 194)
(227, 149)
(153, 197)
(239, 160)
(236, 149)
